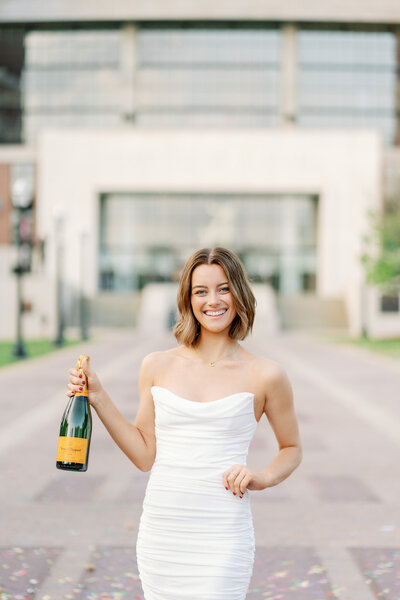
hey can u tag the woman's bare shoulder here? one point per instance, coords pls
(154, 365)
(266, 369)
(159, 358)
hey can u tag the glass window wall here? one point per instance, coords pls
(71, 78)
(347, 79)
(11, 65)
(194, 76)
(208, 77)
(274, 235)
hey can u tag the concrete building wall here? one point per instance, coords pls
(342, 168)
(379, 324)
(38, 297)
(41, 11)
(5, 205)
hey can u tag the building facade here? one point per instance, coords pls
(155, 130)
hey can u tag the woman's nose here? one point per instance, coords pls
(214, 298)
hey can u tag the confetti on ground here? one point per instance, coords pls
(280, 573)
(289, 573)
(90, 567)
(22, 570)
(115, 576)
(381, 570)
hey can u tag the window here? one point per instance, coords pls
(207, 77)
(390, 303)
(347, 79)
(275, 236)
(71, 78)
(11, 64)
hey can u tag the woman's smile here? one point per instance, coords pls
(214, 314)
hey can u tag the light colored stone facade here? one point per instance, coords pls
(342, 168)
(358, 11)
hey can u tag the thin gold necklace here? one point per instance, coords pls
(212, 362)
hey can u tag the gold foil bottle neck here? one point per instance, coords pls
(84, 391)
(80, 361)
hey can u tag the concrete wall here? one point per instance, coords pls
(342, 168)
(379, 324)
(41, 11)
(38, 290)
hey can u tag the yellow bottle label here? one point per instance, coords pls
(72, 449)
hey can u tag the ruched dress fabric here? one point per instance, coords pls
(196, 539)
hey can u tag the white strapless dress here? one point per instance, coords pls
(196, 539)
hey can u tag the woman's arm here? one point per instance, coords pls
(137, 440)
(279, 409)
(145, 416)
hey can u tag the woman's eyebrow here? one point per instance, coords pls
(204, 286)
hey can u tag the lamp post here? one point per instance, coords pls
(22, 200)
(19, 350)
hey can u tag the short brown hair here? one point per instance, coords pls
(187, 329)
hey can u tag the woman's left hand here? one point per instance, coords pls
(238, 478)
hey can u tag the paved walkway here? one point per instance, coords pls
(331, 530)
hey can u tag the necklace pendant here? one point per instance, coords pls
(212, 363)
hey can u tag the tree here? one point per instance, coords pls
(381, 255)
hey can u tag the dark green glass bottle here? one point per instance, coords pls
(75, 429)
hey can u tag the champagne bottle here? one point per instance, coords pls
(75, 429)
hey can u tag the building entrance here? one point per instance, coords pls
(147, 237)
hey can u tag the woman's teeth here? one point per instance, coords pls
(211, 313)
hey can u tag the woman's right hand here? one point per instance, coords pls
(77, 380)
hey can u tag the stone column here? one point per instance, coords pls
(289, 260)
(128, 68)
(288, 108)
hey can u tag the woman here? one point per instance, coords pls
(199, 405)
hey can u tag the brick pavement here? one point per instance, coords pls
(331, 530)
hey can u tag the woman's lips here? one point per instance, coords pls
(215, 314)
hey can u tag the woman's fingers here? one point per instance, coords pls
(75, 373)
(233, 478)
(234, 483)
(76, 381)
(74, 388)
(228, 478)
(244, 482)
(76, 377)
(237, 483)
(231, 481)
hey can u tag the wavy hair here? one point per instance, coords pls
(187, 328)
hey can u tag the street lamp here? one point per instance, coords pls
(22, 200)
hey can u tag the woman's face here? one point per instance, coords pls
(211, 298)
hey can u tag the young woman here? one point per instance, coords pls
(200, 404)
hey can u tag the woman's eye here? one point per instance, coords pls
(224, 289)
(200, 292)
